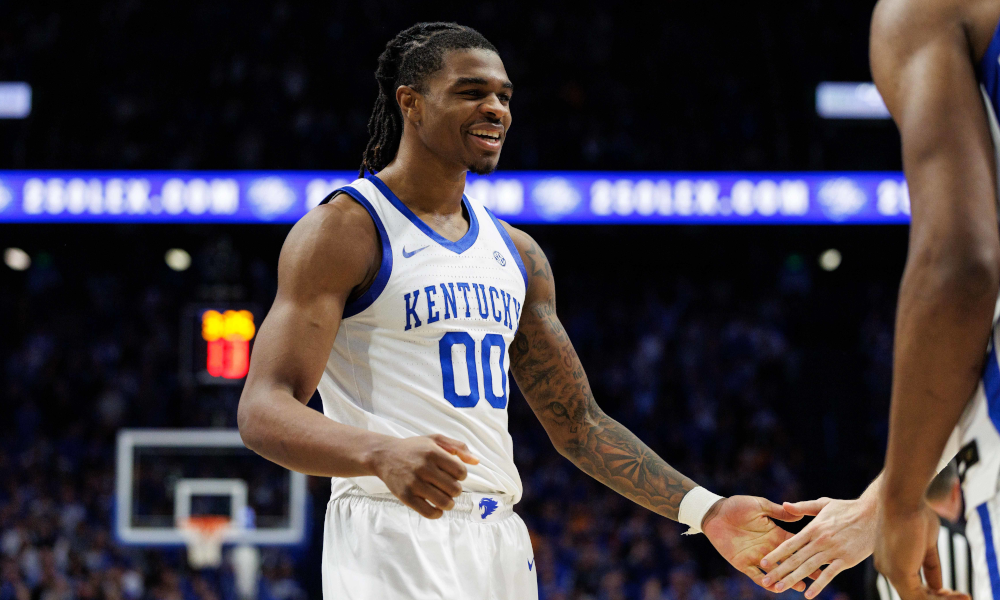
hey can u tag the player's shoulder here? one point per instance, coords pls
(340, 233)
(522, 241)
(913, 41)
(905, 22)
(340, 220)
(541, 284)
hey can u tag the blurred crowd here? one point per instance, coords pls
(285, 85)
(770, 381)
(769, 378)
(84, 352)
(716, 377)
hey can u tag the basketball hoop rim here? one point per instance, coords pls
(206, 525)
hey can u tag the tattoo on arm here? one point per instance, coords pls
(551, 378)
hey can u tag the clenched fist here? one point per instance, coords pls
(423, 472)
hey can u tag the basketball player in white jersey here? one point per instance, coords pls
(405, 303)
(937, 65)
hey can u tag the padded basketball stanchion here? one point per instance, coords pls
(245, 560)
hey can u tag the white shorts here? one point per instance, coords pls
(374, 547)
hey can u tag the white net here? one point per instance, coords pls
(204, 537)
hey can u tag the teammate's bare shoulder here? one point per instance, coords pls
(903, 21)
(335, 247)
(906, 34)
(902, 29)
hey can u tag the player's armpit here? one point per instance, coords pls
(329, 253)
(326, 255)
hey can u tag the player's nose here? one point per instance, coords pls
(494, 108)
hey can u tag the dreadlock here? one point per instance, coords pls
(408, 59)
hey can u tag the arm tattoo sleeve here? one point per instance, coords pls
(551, 378)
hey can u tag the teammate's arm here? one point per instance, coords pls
(551, 378)
(329, 254)
(922, 62)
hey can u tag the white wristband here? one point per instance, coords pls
(693, 508)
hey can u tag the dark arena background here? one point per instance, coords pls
(726, 225)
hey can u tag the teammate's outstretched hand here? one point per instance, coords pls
(907, 544)
(842, 535)
(742, 530)
(424, 472)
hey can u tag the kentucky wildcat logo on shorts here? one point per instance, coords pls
(486, 507)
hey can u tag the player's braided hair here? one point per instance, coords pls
(408, 58)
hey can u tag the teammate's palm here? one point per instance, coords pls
(742, 530)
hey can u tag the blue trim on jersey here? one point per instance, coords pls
(991, 385)
(991, 552)
(457, 247)
(510, 246)
(384, 270)
(988, 69)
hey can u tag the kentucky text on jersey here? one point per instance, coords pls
(449, 301)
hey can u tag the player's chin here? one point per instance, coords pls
(484, 165)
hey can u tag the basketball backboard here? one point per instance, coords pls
(165, 476)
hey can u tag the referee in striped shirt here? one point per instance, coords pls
(945, 496)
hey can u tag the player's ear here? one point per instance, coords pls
(411, 103)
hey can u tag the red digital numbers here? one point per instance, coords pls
(228, 336)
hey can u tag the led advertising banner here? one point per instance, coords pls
(525, 197)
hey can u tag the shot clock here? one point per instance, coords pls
(217, 342)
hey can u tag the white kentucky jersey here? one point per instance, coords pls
(425, 349)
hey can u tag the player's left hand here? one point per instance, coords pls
(907, 543)
(841, 536)
(742, 530)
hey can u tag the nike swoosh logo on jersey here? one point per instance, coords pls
(409, 254)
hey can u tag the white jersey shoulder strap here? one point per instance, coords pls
(365, 193)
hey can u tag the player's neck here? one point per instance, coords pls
(424, 183)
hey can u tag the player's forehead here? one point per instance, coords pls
(474, 65)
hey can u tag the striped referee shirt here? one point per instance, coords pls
(956, 566)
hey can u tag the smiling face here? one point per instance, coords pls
(465, 110)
